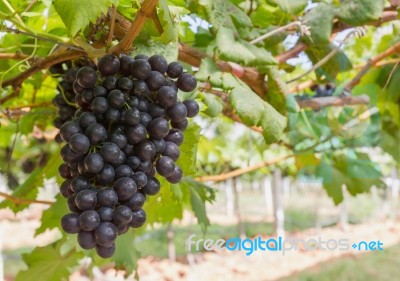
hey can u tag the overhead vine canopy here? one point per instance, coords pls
(255, 61)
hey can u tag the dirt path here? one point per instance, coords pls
(264, 266)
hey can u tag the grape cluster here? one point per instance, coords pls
(65, 99)
(128, 127)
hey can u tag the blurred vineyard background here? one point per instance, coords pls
(298, 135)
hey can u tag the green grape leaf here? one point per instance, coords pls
(277, 89)
(241, 51)
(169, 33)
(337, 64)
(126, 255)
(214, 104)
(47, 263)
(355, 171)
(290, 6)
(51, 218)
(30, 187)
(320, 21)
(187, 159)
(199, 195)
(254, 111)
(77, 14)
(359, 12)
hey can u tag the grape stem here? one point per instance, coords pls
(304, 30)
(18, 200)
(144, 12)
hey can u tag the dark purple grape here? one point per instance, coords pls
(141, 57)
(89, 220)
(86, 199)
(105, 252)
(70, 223)
(159, 144)
(175, 136)
(140, 69)
(186, 82)
(125, 188)
(112, 115)
(137, 201)
(72, 206)
(138, 218)
(99, 91)
(116, 98)
(125, 84)
(86, 240)
(106, 234)
(123, 171)
(177, 112)
(176, 175)
(125, 65)
(156, 110)
(192, 108)
(132, 116)
(96, 133)
(107, 198)
(109, 151)
(77, 88)
(94, 163)
(122, 215)
(171, 150)
(174, 70)
(167, 96)
(65, 189)
(145, 118)
(63, 170)
(86, 77)
(143, 105)
(152, 186)
(108, 65)
(69, 129)
(79, 183)
(155, 81)
(165, 166)
(145, 166)
(105, 214)
(70, 156)
(119, 139)
(106, 175)
(86, 119)
(180, 125)
(145, 150)
(87, 95)
(158, 63)
(99, 105)
(140, 179)
(158, 128)
(136, 133)
(139, 88)
(79, 143)
(133, 162)
(109, 83)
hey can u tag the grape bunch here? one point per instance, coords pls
(128, 127)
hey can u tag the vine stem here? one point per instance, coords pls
(18, 200)
(144, 12)
(358, 31)
(303, 30)
(372, 62)
(241, 171)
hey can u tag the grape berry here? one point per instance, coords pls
(127, 127)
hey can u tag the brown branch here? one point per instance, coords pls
(318, 103)
(241, 171)
(44, 63)
(144, 12)
(390, 51)
(157, 22)
(13, 56)
(112, 24)
(18, 200)
(295, 51)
